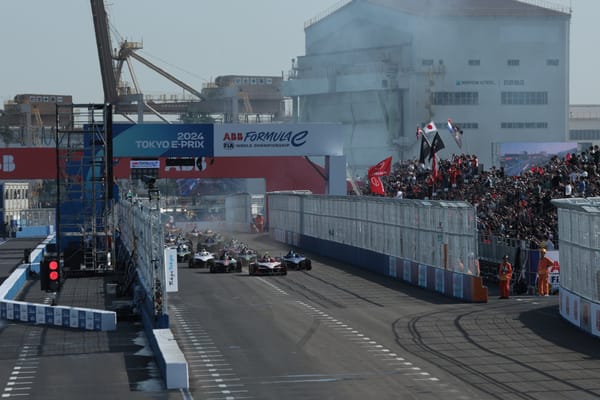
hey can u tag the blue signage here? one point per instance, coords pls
(163, 140)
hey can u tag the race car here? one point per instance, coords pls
(201, 259)
(183, 252)
(247, 256)
(225, 263)
(195, 232)
(208, 243)
(294, 260)
(267, 265)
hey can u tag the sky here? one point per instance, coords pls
(49, 46)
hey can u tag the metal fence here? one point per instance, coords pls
(140, 231)
(579, 227)
(436, 233)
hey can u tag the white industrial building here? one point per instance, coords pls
(498, 68)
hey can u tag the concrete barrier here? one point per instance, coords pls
(71, 317)
(171, 360)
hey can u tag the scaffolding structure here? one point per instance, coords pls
(84, 182)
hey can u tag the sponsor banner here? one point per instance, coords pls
(423, 269)
(240, 140)
(392, 272)
(595, 318)
(457, 285)
(28, 163)
(440, 280)
(406, 271)
(569, 306)
(162, 140)
(585, 315)
(171, 278)
(554, 271)
(139, 164)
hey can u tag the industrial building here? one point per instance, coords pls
(498, 68)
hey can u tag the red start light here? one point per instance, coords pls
(53, 267)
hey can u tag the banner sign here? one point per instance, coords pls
(166, 140)
(171, 277)
(248, 140)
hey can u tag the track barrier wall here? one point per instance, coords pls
(141, 237)
(41, 314)
(579, 257)
(432, 244)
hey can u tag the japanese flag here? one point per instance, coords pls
(430, 127)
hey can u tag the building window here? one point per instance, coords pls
(427, 62)
(524, 125)
(524, 98)
(474, 63)
(464, 125)
(514, 82)
(513, 63)
(59, 99)
(552, 62)
(455, 98)
(584, 134)
(269, 81)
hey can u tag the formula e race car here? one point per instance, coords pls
(247, 256)
(201, 259)
(294, 260)
(267, 265)
(225, 263)
(183, 252)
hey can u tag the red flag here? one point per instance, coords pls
(382, 168)
(376, 185)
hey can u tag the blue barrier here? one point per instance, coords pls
(71, 317)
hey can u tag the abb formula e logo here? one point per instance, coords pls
(8, 163)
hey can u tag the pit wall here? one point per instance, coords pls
(430, 244)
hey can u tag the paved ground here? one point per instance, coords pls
(63, 363)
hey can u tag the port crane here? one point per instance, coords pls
(127, 100)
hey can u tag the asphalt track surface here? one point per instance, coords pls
(334, 332)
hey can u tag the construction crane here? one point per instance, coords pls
(103, 43)
(122, 96)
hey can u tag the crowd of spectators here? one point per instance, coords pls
(516, 207)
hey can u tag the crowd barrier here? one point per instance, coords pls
(466, 287)
(70, 317)
(432, 244)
